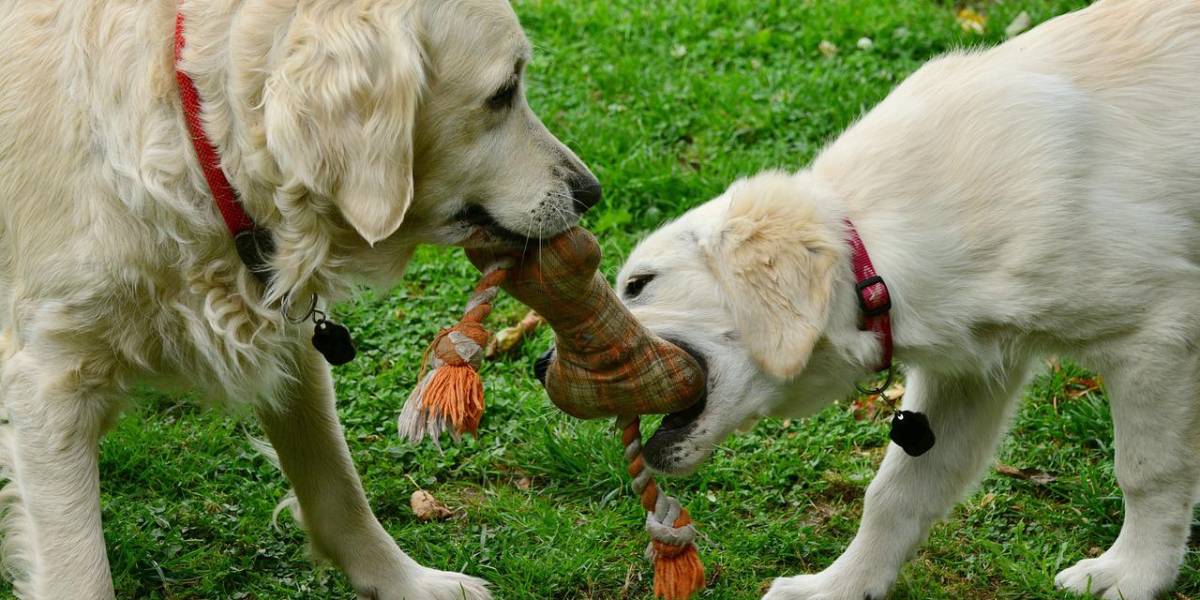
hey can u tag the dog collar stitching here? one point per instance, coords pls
(874, 299)
(910, 430)
(253, 244)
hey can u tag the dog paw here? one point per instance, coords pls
(1113, 578)
(431, 584)
(823, 586)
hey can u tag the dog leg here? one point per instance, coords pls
(53, 543)
(1155, 419)
(313, 454)
(968, 415)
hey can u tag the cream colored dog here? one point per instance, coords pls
(353, 130)
(1039, 197)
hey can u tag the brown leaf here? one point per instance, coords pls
(1036, 476)
(427, 508)
(524, 483)
(865, 407)
(507, 339)
(1077, 387)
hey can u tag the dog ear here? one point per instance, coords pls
(340, 109)
(774, 261)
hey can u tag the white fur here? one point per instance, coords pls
(353, 131)
(1039, 197)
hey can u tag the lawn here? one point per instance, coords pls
(668, 101)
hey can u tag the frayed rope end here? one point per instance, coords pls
(678, 572)
(455, 393)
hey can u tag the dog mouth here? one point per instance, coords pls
(664, 451)
(485, 231)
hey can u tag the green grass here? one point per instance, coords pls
(668, 101)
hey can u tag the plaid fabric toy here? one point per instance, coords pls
(605, 365)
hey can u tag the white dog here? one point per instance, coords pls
(1039, 197)
(351, 130)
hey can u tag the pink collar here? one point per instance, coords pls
(253, 245)
(873, 297)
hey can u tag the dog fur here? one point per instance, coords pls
(1041, 197)
(353, 131)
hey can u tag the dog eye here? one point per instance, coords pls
(637, 283)
(503, 98)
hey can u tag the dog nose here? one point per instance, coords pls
(585, 191)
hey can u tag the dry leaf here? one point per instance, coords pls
(509, 338)
(865, 407)
(894, 392)
(427, 508)
(524, 483)
(1018, 25)
(971, 21)
(1031, 475)
(1077, 387)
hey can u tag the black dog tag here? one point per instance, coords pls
(910, 431)
(333, 342)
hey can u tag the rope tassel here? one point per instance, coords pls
(678, 572)
(449, 395)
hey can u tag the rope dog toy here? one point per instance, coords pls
(605, 364)
(678, 572)
(449, 393)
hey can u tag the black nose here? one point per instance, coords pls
(542, 364)
(585, 191)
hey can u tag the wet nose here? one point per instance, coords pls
(585, 191)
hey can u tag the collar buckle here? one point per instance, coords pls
(873, 296)
(254, 247)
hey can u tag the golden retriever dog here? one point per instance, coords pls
(1039, 197)
(351, 130)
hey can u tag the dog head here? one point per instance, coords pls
(392, 123)
(752, 283)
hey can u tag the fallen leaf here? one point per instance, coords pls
(865, 407)
(1077, 387)
(507, 339)
(524, 483)
(894, 392)
(971, 21)
(427, 508)
(1018, 25)
(1036, 476)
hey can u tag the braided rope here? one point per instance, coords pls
(442, 402)
(672, 533)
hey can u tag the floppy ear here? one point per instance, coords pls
(774, 261)
(339, 112)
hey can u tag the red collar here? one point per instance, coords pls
(226, 197)
(253, 244)
(873, 296)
